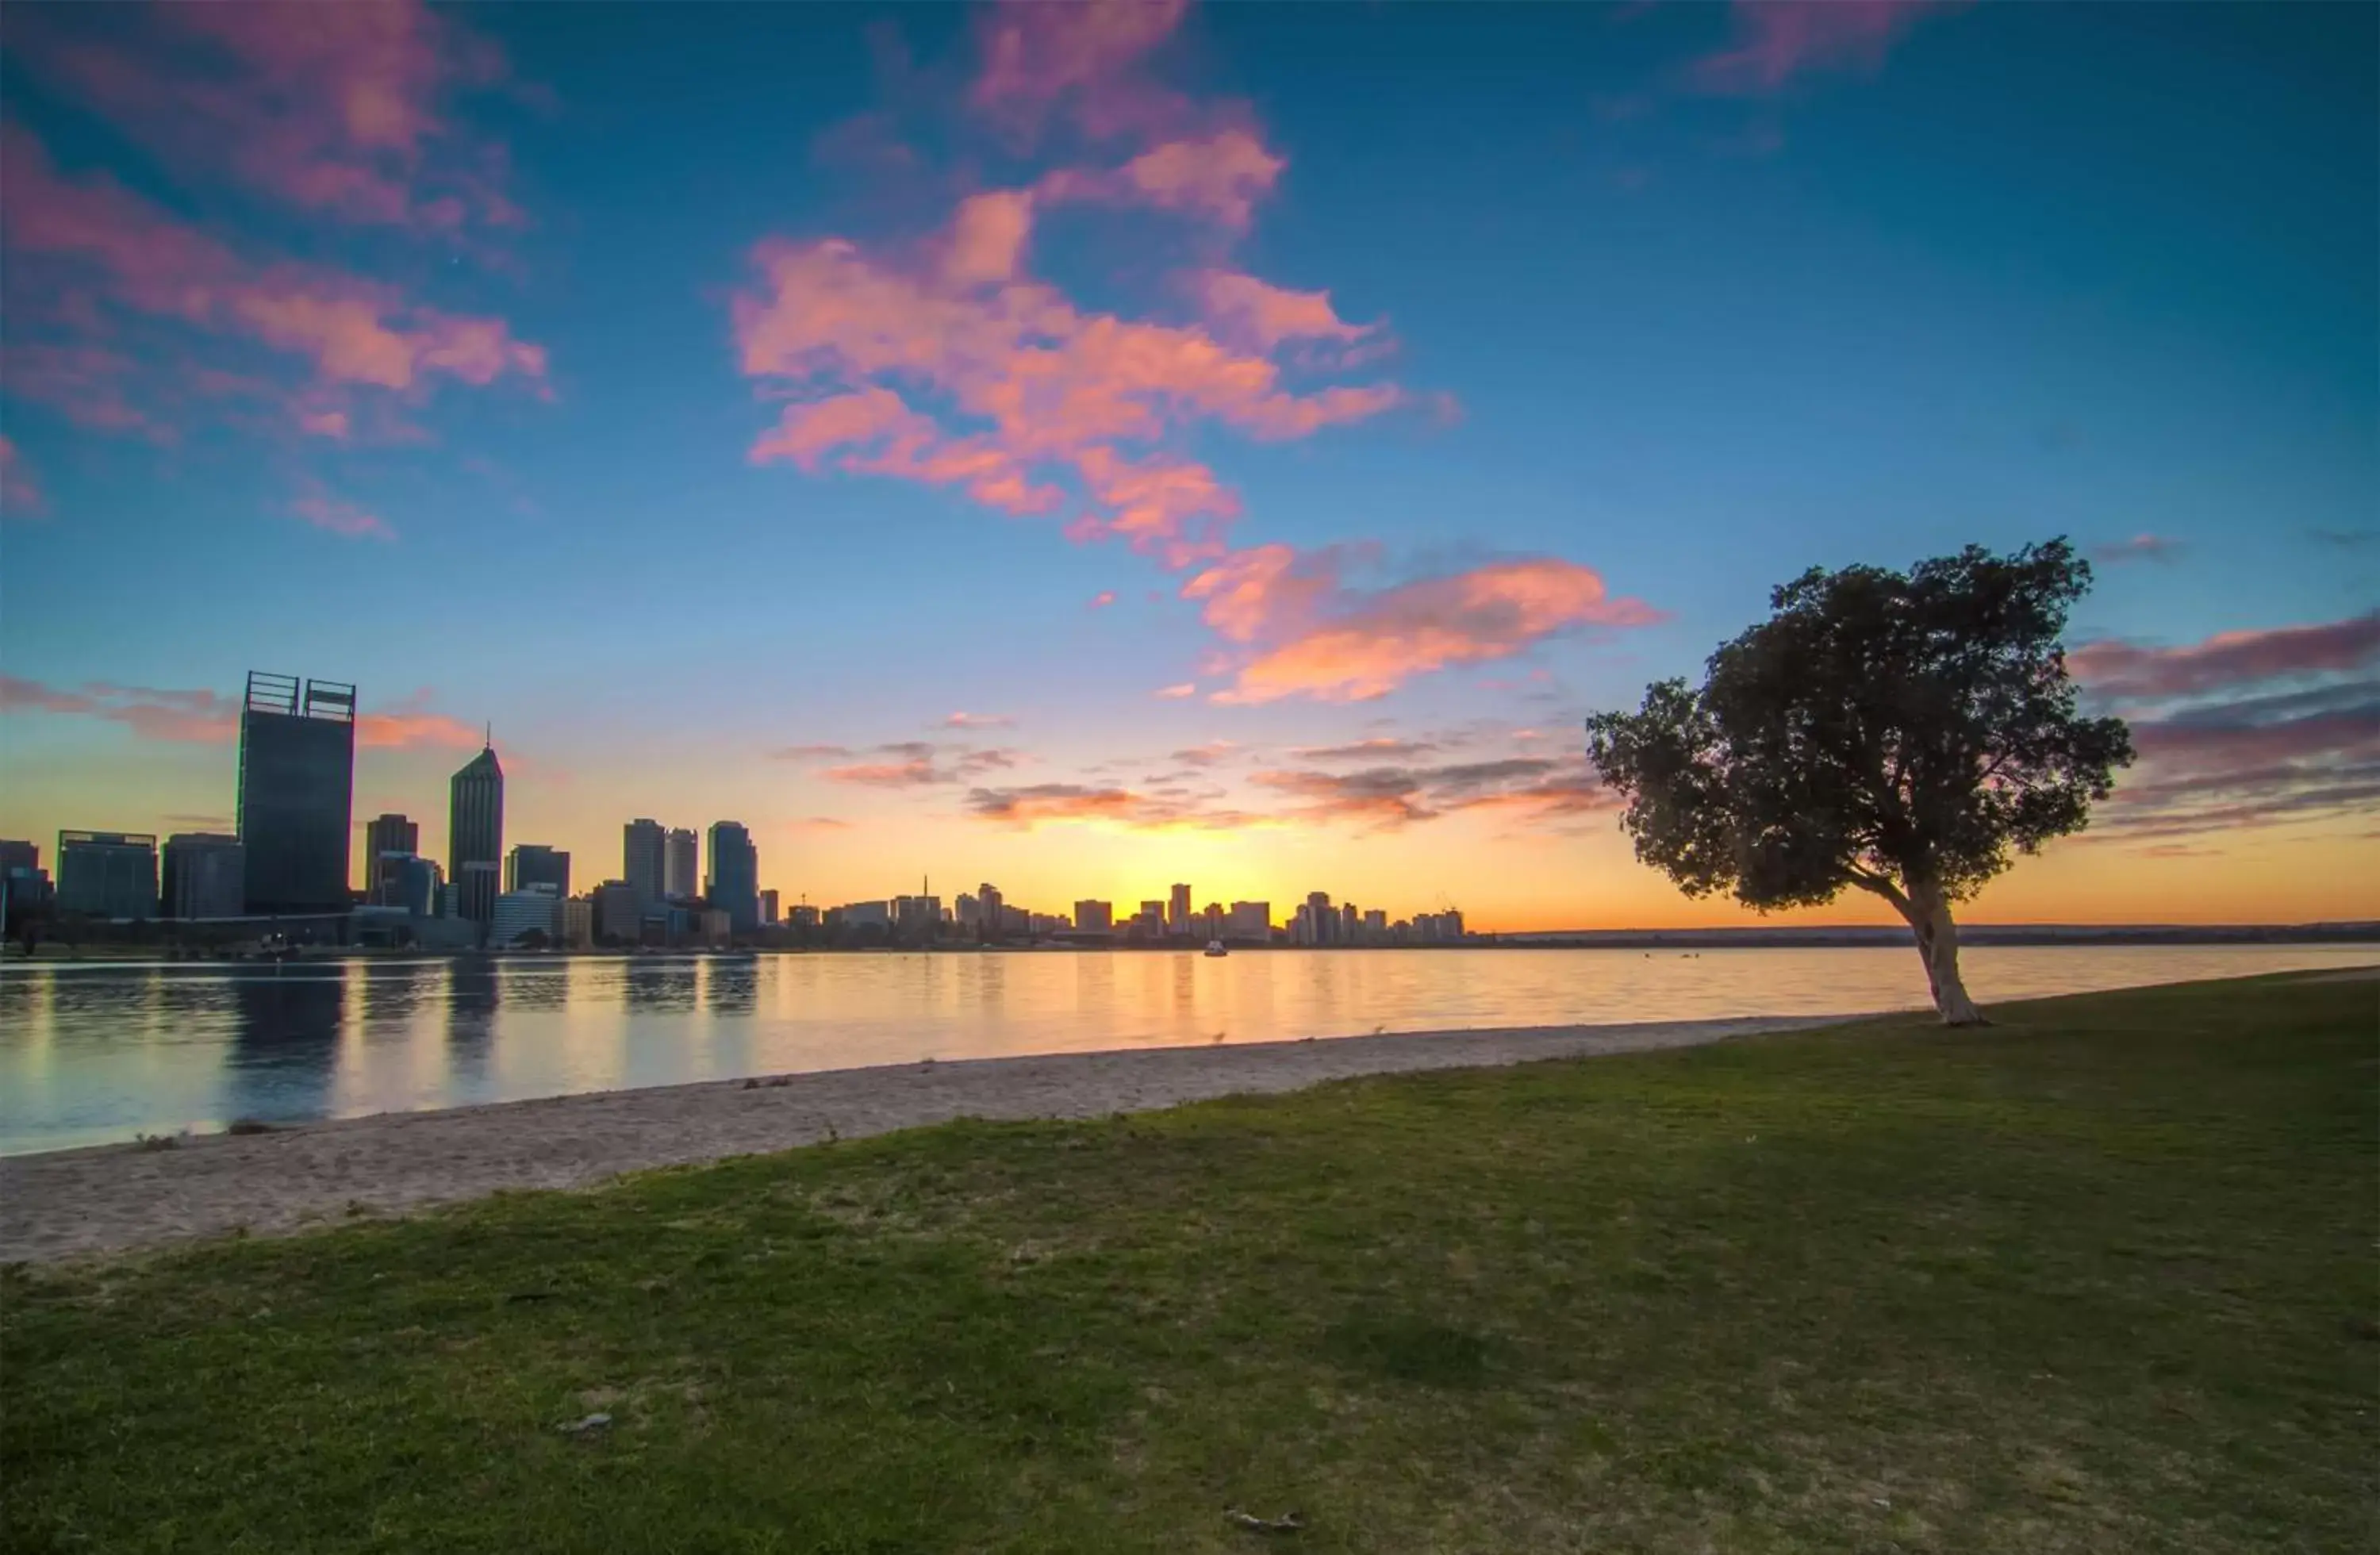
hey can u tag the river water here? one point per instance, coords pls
(97, 1051)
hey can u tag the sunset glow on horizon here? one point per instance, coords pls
(1091, 448)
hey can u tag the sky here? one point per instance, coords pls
(1089, 448)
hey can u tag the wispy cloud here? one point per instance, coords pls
(1103, 599)
(1177, 692)
(340, 516)
(208, 717)
(2117, 672)
(1382, 749)
(902, 763)
(1777, 40)
(2142, 547)
(977, 721)
(20, 494)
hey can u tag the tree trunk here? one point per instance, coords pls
(1938, 942)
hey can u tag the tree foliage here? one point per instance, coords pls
(1903, 733)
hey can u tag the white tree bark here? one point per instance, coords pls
(1938, 942)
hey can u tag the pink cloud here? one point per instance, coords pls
(88, 384)
(1037, 58)
(120, 254)
(977, 721)
(1219, 177)
(1052, 390)
(151, 714)
(20, 494)
(988, 238)
(1176, 693)
(1059, 803)
(336, 110)
(1779, 40)
(1318, 640)
(399, 730)
(1103, 599)
(340, 518)
(2143, 547)
(2119, 671)
(1267, 316)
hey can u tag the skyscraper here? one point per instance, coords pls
(389, 834)
(530, 865)
(643, 847)
(296, 792)
(735, 876)
(108, 874)
(680, 871)
(1177, 911)
(205, 876)
(475, 834)
(768, 906)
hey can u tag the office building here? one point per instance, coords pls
(24, 884)
(769, 906)
(407, 881)
(1351, 924)
(1249, 920)
(534, 864)
(644, 851)
(204, 875)
(1376, 927)
(387, 833)
(802, 915)
(735, 875)
(857, 915)
(18, 859)
(1095, 918)
(917, 918)
(1177, 911)
(990, 917)
(1149, 922)
(475, 834)
(516, 915)
(619, 913)
(579, 923)
(681, 873)
(297, 793)
(968, 911)
(108, 874)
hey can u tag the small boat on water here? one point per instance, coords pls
(1215, 947)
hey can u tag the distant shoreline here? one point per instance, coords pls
(1973, 937)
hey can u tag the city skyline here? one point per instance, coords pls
(1124, 447)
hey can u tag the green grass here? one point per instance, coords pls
(2100, 1277)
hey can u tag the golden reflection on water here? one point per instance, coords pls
(95, 1051)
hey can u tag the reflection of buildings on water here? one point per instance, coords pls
(389, 996)
(731, 987)
(473, 996)
(284, 1044)
(661, 985)
(536, 985)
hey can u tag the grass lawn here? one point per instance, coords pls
(2104, 1277)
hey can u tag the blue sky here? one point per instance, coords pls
(1678, 299)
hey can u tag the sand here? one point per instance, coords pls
(69, 1204)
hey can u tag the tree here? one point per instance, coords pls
(1896, 732)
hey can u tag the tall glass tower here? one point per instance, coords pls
(475, 836)
(735, 876)
(297, 793)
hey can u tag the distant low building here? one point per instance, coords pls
(579, 923)
(205, 875)
(803, 915)
(769, 906)
(108, 874)
(619, 913)
(530, 865)
(1094, 918)
(855, 914)
(1249, 920)
(519, 914)
(718, 927)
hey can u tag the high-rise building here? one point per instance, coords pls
(530, 865)
(386, 834)
(407, 881)
(205, 876)
(1095, 918)
(1151, 919)
(768, 906)
(735, 875)
(644, 849)
(475, 834)
(579, 923)
(990, 917)
(919, 917)
(1351, 924)
(108, 874)
(681, 871)
(297, 793)
(968, 911)
(24, 885)
(1376, 927)
(1177, 911)
(1322, 926)
(1249, 920)
(18, 858)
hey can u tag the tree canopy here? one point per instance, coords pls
(1902, 732)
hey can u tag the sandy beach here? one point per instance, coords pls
(109, 1198)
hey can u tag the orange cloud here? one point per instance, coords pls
(1320, 639)
(1048, 803)
(401, 729)
(150, 714)
(988, 238)
(1219, 176)
(20, 494)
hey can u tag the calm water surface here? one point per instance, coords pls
(98, 1052)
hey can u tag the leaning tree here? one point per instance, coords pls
(1897, 732)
